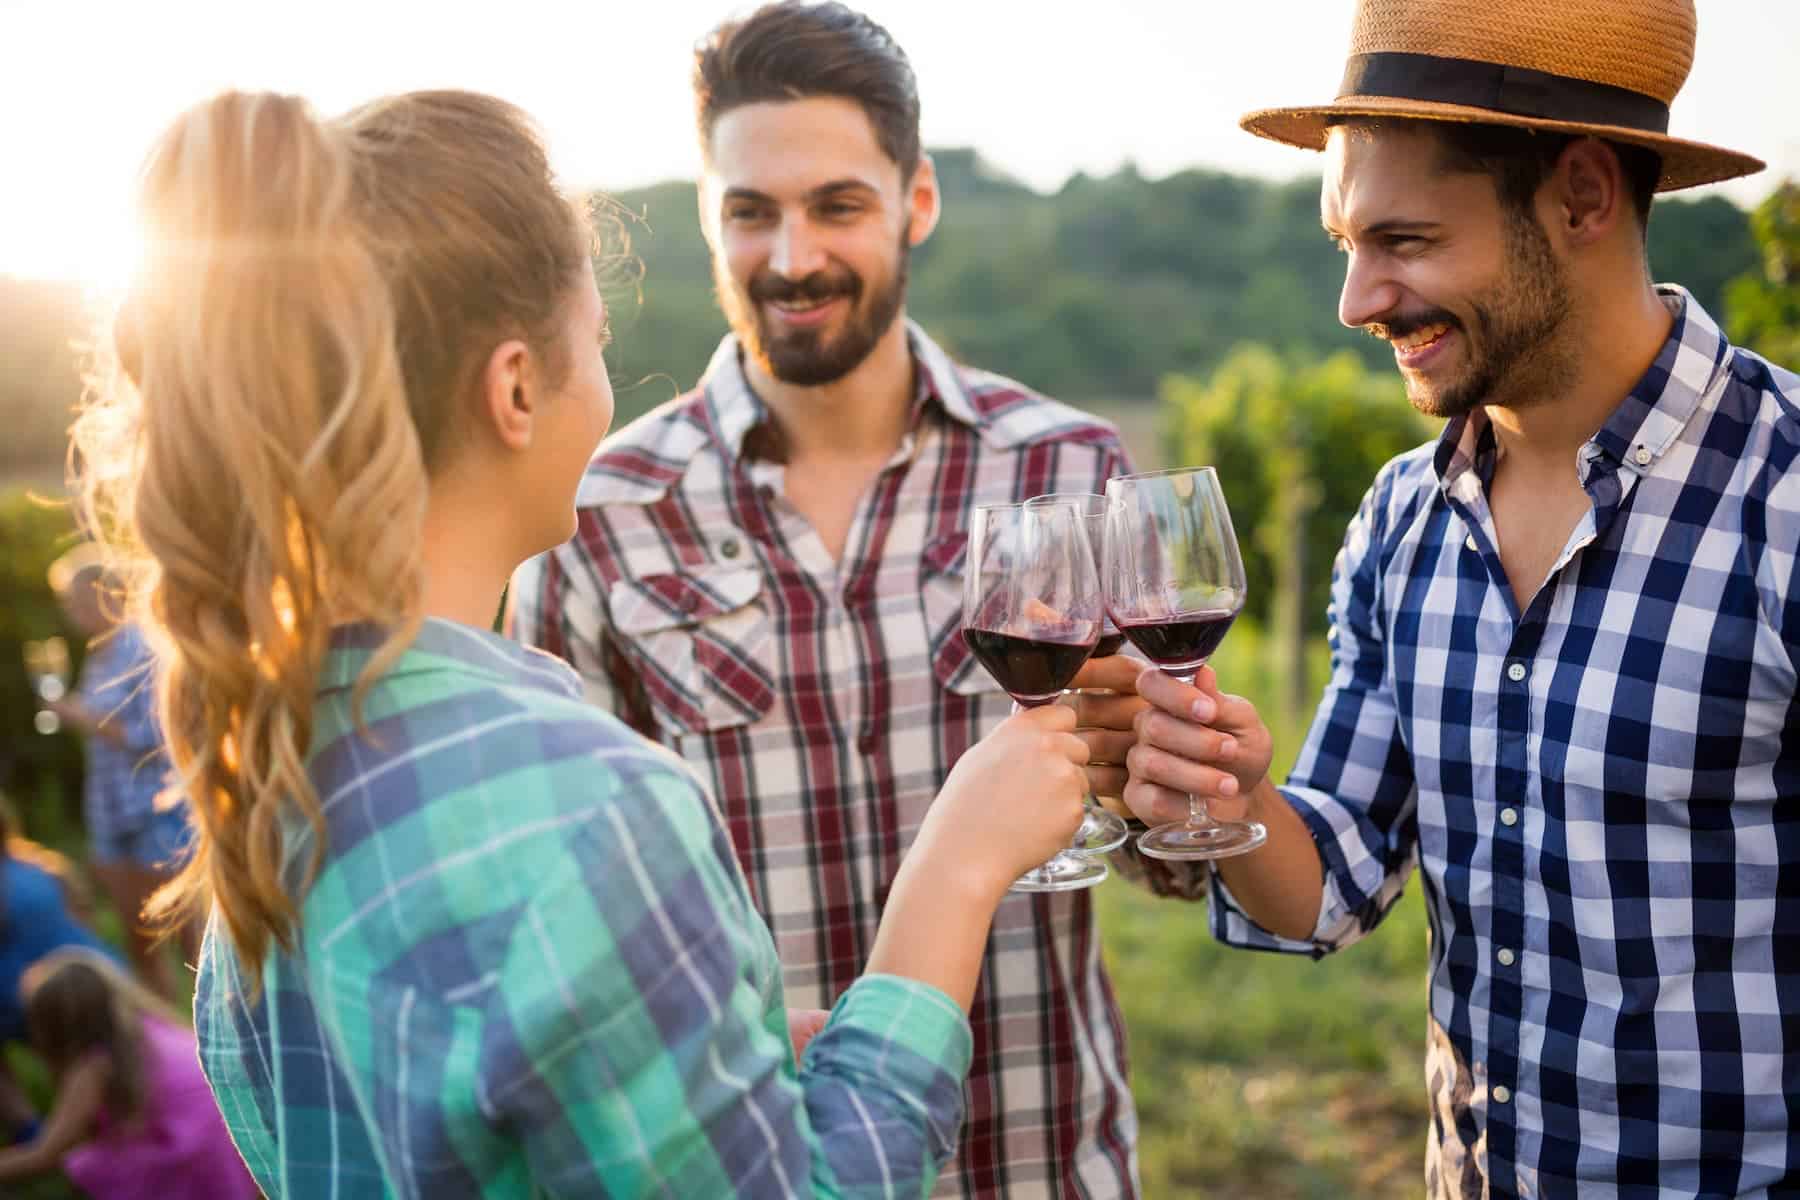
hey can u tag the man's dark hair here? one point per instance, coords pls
(1518, 160)
(792, 50)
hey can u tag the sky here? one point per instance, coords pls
(1042, 88)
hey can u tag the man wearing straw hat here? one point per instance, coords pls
(1565, 637)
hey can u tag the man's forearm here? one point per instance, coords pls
(1280, 885)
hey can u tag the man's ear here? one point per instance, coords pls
(925, 203)
(706, 200)
(509, 394)
(1588, 195)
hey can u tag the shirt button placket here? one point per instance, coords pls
(1511, 868)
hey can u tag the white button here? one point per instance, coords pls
(1516, 672)
(1642, 454)
(1505, 957)
(1502, 1093)
(1509, 816)
(1470, 542)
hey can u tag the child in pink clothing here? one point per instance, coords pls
(133, 1117)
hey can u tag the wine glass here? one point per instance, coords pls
(1101, 831)
(1031, 615)
(1174, 583)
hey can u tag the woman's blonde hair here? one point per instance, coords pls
(318, 300)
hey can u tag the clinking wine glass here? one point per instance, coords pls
(1032, 612)
(1174, 583)
(1101, 831)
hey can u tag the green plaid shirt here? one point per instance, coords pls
(529, 966)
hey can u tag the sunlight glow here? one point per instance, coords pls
(1156, 83)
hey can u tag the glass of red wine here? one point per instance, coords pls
(1032, 611)
(1101, 831)
(1174, 582)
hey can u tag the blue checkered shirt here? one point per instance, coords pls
(1602, 792)
(121, 783)
(529, 966)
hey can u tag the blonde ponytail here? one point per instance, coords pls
(316, 299)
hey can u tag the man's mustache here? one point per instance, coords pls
(820, 285)
(1410, 323)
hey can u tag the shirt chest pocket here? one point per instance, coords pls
(702, 640)
(941, 593)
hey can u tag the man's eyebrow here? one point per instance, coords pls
(838, 187)
(824, 191)
(1391, 226)
(744, 193)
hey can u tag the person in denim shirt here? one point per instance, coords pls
(135, 844)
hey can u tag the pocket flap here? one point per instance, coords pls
(671, 599)
(944, 560)
(944, 555)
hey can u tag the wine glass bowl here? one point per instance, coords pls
(1101, 831)
(1032, 612)
(1174, 582)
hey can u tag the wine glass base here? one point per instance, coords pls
(1064, 873)
(1184, 842)
(1101, 832)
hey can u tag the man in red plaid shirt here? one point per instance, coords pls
(767, 576)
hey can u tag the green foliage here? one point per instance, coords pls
(1097, 291)
(41, 775)
(1763, 308)
(41, 325)
(1296, 445)
(1702, 245)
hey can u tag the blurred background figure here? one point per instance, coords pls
(133, 1118)
(135, 845)
(43, 908)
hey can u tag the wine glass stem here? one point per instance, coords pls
(1197, 811)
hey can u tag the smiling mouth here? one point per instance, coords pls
(797, 308)
(1421, 338)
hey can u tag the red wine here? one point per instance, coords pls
(1033, 671)
(1182, 642)
(1109, 644)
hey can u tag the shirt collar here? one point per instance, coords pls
(1646, 422)
(737, 412)
(444, 645)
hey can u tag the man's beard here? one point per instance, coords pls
(807, 357)
(1522, 322)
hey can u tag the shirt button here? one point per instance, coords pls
(1516, 672)
(1501, 1093)
(1470, 542)
(729, 548)
(1642, 455)
(1506, 958)
(1509, 816)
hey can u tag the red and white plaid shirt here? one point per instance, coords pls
(827, 702)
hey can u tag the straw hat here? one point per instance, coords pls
(1605, 68)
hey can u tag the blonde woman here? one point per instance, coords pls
(133, 1119)
(469, 936)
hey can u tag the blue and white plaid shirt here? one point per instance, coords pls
(1602, 791)
(123, 778)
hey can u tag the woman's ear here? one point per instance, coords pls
(509, 394)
